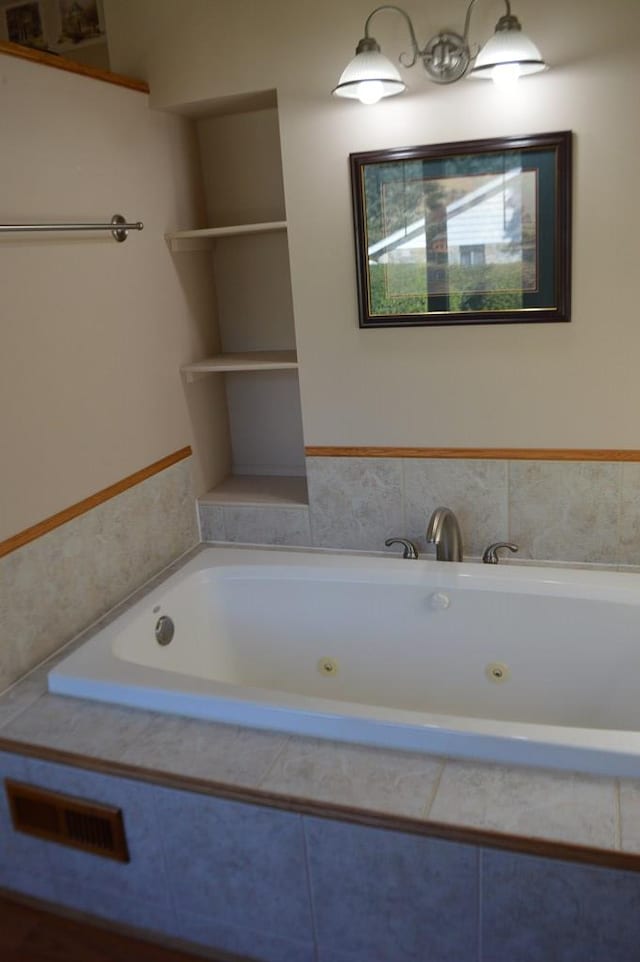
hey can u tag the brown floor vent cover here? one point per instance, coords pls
(70, 821)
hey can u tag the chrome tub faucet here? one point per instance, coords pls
(443, 531)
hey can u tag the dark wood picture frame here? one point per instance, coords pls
(471, 232)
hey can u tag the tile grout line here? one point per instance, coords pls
(165, 863)
(312, 543)
(508, 505)
(619, 518)
(276, 757)
(198, 520)
(403, 497)
(434, 791)
(19, 711)
(480, 902)
(618, 815)
(312, 904)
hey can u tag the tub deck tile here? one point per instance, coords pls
(78, 726)
(22, 695)
(630, 814)
(205, 750)
(402, 783)
(552, 808)
(565, 806)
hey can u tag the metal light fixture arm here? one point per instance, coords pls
(446, 56)
(467, 20)
(403, 58)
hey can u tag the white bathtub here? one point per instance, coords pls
(526, 665)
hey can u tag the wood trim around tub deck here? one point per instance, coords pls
(61, 63)
(489, 454)
(466, 835)
(75, 510)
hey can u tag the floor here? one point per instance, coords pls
(31, 935)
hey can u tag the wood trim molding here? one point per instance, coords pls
(75, 510)
(61, 63)
(489, 454)
(467, 835)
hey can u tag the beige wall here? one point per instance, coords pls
(92, 332)
(568, 385)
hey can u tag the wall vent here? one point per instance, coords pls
(70, 821)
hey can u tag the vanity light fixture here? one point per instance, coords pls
(447, 57)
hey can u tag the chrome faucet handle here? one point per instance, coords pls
(491, 556)
(410, 550)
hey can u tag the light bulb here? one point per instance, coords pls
(505, 74)
(370, 91)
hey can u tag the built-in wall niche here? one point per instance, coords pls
(245, 229)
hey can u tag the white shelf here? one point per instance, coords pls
(259, 490)
(245, 361)
(202, 238)
(250, 412)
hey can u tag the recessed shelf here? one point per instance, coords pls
(244, 361)
(202, 238)
(259, 490)
(247, 413)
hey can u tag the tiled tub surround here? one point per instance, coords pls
(380, 855)
(564, 511)
(53, 587)
(285, 848)
(279, 881)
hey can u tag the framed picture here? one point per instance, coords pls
(475, 232)
(80, 23)
(24, 24)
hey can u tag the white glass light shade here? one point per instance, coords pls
(369, 77)
(508, 47)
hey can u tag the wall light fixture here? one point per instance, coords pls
(447, 57)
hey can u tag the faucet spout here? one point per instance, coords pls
(443, 530)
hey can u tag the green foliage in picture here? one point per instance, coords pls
(464, 233)
(493, 287)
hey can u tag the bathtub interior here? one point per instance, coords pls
(406, 638)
